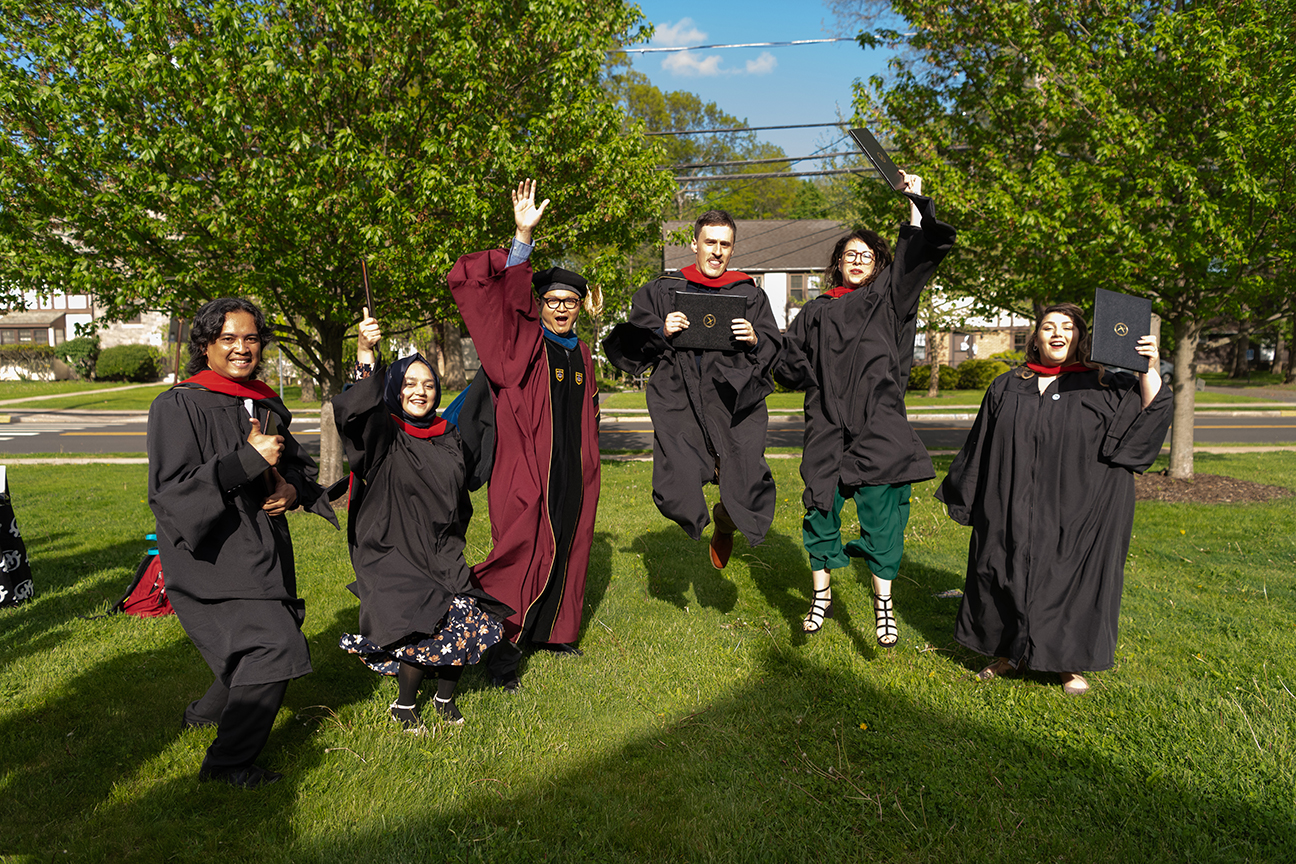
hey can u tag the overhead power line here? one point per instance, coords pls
(758, 161)
(716, 178)
(736, 45)
(744, 129)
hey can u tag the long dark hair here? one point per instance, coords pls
(209, 322)
(881, 258)
(1083, 339)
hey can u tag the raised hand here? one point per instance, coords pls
(526, 215)
(269, 446)
(369, 336)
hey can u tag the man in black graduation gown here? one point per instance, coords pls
(220, 480)
(707, 407)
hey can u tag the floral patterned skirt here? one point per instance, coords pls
(461, 639)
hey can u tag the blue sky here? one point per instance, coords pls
(767, 86)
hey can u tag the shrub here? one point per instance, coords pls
(36, 360)
(81, 354)
(1012, 358)
(920, 378)
(977, 374)
(128, 363)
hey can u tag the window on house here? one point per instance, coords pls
(1020, 338)
(24, 337)
(8, 337)
(920, 348)
(802, 287)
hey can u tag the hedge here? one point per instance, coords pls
(38, 360)
(128, 363)
(977, 374)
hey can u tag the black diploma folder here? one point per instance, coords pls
(881, 161)
(1120, 320)
(710, 319)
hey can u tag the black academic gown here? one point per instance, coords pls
(229, 566)
(707, 407)
(851, 355)
(1047, 484)
(409, 511)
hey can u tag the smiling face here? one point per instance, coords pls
(562, 319)
(1056, 339)
(236, 352)
(418, 391)
(857, 263)
(713, 248)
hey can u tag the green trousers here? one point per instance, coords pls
(883, 514)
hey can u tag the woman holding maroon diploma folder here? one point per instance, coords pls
(1046, 482)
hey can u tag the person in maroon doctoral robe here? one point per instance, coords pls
(544, 483)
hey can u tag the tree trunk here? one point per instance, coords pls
(1291, 353)
(307, 387)
(1241, 345)
(1187, 334)
(450, 363)
(330, 458)
(935, 346)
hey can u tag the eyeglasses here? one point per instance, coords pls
(854, 257)
(564, 303)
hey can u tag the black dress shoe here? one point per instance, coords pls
(252, 777)
(511, 684)
(561, 648)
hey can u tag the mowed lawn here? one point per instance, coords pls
(700, 725)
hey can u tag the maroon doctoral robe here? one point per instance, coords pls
(503, 318)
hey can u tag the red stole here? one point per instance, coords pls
(694, 275)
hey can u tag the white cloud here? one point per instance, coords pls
(682, 32)
(688, 64)
(762, 65)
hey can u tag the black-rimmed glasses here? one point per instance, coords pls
(565, 303)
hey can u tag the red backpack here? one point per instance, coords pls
(146, 597)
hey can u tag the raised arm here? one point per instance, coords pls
(526, 215)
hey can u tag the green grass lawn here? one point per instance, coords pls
(700, 725)
(134, 399)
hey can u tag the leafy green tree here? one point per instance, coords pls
(1144, 147)
(158, 153)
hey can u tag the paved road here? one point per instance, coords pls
(125, 432)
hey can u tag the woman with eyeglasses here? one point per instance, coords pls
(537, 382)
(850, 350)
(420, 613)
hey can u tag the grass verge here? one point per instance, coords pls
(701, 724)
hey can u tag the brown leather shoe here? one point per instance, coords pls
(721, 548)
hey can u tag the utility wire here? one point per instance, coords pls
(714, 178)
(744, 129)
(757, 161)
(735, 45)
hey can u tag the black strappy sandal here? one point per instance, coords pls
(884, 621)
(820, 608)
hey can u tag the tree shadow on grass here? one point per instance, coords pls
(784, 770)
(65, 759)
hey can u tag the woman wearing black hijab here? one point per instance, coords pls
(409, 510)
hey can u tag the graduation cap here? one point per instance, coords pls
(557, 276)
(878, 156)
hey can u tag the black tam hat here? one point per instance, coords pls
(560, 278)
